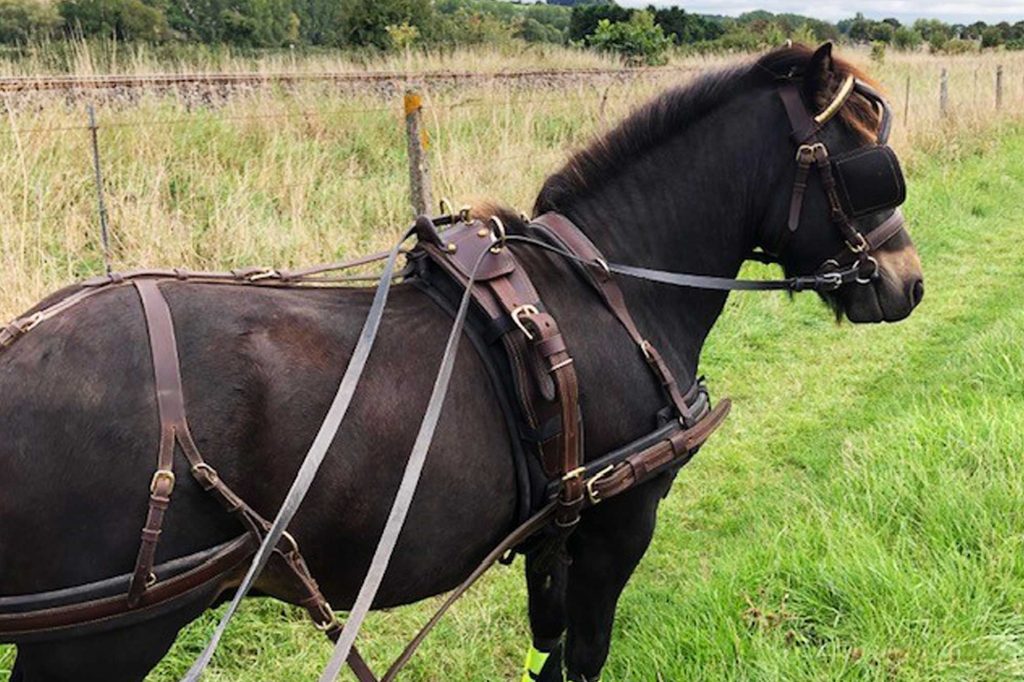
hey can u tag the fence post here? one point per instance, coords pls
(98, 176)
(906, 104)
(416, 138)
(999, 87)
(944, 93)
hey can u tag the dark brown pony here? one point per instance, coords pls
(691, 182)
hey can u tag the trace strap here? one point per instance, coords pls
(406, 491)
(315, 456)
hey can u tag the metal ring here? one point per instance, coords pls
(446, 206)
(874, 271)
(498, 228)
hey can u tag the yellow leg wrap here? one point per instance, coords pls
(535, 661)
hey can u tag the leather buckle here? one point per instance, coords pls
(519, 312)
(807, 153)
(31, 323)
(164, 474)
(860, 246)
(285, 535)
(330, 621)
(592, 492)
(204, 469)
(575, 473)
(830, 281)
(265, 273)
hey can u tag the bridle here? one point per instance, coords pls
(856, 183)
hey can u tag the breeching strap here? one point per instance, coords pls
(406, 490)
(314, 458)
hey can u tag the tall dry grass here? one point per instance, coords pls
(307, 174)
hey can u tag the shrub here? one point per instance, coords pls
(639, 40)
(878, 52)
(906, 39)
(960, 46)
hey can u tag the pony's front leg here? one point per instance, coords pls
(605, 550)
(547, 620)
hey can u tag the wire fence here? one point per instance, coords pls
(982, 90)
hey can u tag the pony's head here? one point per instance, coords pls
(835, 206)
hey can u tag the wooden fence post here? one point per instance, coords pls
(416, 138)
(906, 104)
(944, 93)
(999, 87)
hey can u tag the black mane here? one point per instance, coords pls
(664, 116)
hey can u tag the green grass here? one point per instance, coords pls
(859, 517)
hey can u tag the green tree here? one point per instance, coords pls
(639, 40)
(365, 22)
(120, 19)
(882, 32)
(992, 37)
(585, 18)
(24, 20)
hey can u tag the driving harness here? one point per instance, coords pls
(471, 271)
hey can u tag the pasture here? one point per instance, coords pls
(858, 517)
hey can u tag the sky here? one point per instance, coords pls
(991, 12)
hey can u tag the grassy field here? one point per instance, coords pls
(861, 522)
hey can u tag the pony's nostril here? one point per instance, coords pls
(916, 292)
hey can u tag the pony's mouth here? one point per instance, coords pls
(881, 301)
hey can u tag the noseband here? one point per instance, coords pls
(858, 183)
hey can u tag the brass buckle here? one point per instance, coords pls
(166, 474)
(521, 311)
(205, 469)
(328, 624)
(592, 492)
(32, 322)
(646, 348)
(291, 541)
(266, 273)
(575, 473)
(861, 246)
(806, 153)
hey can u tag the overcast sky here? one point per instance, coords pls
(993, 11)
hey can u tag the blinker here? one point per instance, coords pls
(869, 180)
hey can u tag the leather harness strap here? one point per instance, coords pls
(174, 431)
(572, 239)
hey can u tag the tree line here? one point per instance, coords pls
(643, 35)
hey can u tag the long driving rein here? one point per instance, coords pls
(467, 267)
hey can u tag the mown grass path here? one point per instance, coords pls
(860, 516)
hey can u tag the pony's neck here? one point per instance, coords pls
(692, 205)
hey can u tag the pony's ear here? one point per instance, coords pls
(819, 72)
